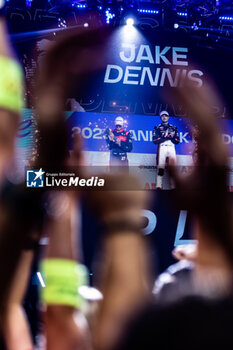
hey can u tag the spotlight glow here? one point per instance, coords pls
(130, 21)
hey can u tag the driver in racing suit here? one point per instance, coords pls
(166, 136)
(119, 143)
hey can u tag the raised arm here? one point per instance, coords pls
(124, 276)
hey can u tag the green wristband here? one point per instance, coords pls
(62, 280)
(11, 85)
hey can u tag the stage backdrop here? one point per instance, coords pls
(142, 66)
(142, 159)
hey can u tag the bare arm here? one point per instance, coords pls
(16, 329)
(65, 326)
(124, 276)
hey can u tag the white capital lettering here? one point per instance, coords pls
(176, 56)
(132, 75)
(161, 55)
(115, 80)
(183, 137)
(131, 50)
(148, 55)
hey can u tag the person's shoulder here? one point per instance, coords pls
(172, 126)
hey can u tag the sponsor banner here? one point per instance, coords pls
(92, 128)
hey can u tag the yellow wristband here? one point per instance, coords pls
(11, 85)
(62, 280)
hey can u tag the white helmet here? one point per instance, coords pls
(119, 121)
(164, 113)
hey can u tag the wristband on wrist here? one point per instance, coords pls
(11, 85)
(122, 226)
(63, 278)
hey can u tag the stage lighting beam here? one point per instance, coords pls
(130, 22)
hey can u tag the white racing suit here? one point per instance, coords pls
(165, 136)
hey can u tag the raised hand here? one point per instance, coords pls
(204, 191)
